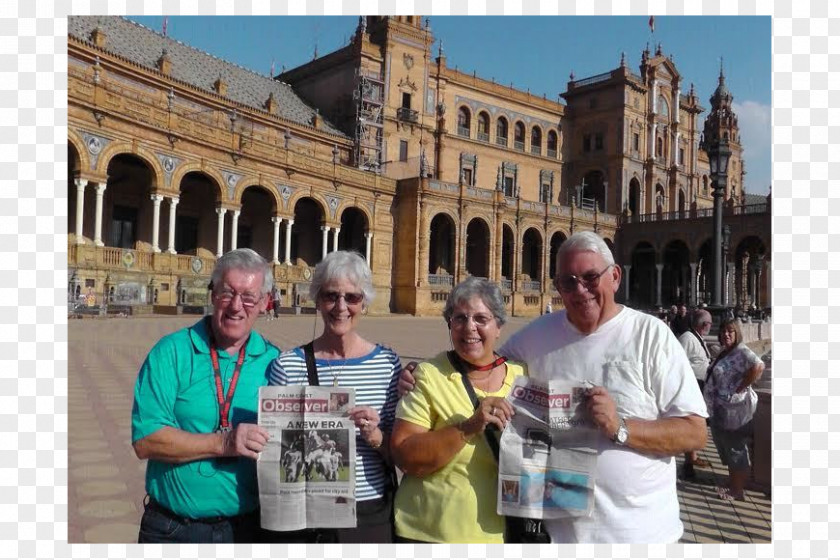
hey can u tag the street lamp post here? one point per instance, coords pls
(718, 149)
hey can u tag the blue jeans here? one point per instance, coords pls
(162, 526)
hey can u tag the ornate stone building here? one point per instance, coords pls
(176, 156)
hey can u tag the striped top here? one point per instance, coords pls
(374, 377)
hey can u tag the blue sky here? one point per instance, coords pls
(534, 52)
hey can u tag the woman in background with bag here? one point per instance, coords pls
(732, 402)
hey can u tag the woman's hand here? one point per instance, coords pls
(492, 410)
(367, 420)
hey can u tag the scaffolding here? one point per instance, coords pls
(369, 97)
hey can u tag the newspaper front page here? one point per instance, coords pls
(548, 452)
(306, 471)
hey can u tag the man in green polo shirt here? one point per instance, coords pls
(195, 412)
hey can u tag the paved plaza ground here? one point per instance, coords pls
(106, 485)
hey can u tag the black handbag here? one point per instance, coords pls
(521, 530)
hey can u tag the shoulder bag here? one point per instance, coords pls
(517, 529)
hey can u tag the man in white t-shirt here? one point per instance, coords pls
(646, 401)
(698, 356)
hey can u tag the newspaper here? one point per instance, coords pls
(548, 452)
(306, 471)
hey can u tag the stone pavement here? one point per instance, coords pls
(105, 481)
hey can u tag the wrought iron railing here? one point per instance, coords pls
(531, 285)
(441, 280)
(536, 150)
(464, 131)
(519, 145)
(501, 141)
(406, 114)
(483, 136)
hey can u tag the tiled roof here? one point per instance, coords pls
(755, 198)
(144, 46)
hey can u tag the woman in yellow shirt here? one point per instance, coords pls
(448, 491)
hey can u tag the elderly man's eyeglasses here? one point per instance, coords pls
(349, 298)
(248, 299)
(460, 320)
(590, 280)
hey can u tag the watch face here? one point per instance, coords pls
(621, 436)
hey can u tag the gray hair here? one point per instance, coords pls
(243, 259)
(699, 317)
(587, 241)
(487, 291)
(348, 265)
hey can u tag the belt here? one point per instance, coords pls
(153, 505)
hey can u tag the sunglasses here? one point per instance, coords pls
(349, 298)
(589, 281)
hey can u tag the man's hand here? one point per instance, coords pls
(601, 408)
(406, 381)
(245, 440)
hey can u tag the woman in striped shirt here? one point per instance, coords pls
(342, 288)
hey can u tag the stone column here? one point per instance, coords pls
(156, 200)
(173, 203)
(335, 238)
(423, 254)
(220, 231)
(659, 268)
(234, 229)
(325, 231)
(730, 284)
(626, 280)
(275, 251)
(692, 285)
(288, 252)
(769, 276)
(97, 229)
(368, 239)
(80, 209)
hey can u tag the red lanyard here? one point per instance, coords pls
(224, 401)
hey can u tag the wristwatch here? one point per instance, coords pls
(621, 434)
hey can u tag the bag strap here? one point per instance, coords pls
(458, 364)
(311, 370)
(702, 342)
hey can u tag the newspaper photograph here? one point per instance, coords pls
(547, 452)
(306, 471)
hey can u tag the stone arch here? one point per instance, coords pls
(354, 204)
(443, 232)
(255, 229)
(642, 277)
(355, 222)
(75, 140)
(116, 148)
(249, 181)
(305, 193)
(675, 256)
(532, 252)
(211, 173)
(477, 243)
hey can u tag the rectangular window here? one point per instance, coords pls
(406, 100)
(682, 156)
(599, 141)
(587, 139)
(468, 176)
(508, 186)
(545, 193)
(90, 282)
(403, 150)
(636, 141)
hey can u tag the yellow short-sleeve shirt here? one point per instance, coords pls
(456, 504)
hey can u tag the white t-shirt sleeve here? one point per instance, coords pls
(672, 379)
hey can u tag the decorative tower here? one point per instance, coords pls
(722, 122)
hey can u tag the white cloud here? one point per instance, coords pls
(756, 139)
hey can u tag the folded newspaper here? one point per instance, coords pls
(306, 471)
(547, 452)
